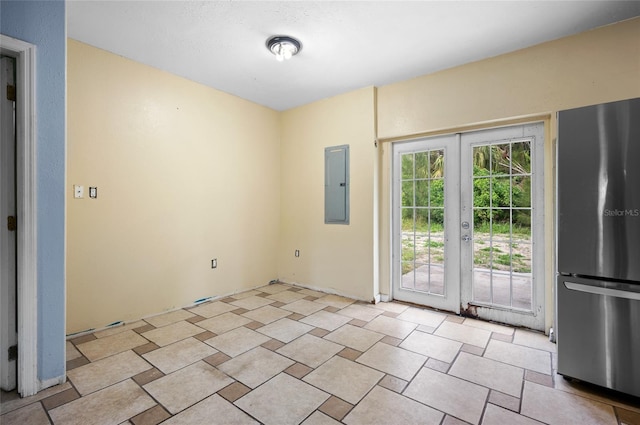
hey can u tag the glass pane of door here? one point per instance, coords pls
(502, 254)
(422, 213)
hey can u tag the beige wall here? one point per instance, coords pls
(183, 178)
(337, 258)
(185, 173)
(593, 67)
(597, 66)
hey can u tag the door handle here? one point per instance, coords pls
(598, 290)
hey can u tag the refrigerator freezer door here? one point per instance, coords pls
(599, 191)
(597, 333)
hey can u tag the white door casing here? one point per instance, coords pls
(8, 334)
(26, 208)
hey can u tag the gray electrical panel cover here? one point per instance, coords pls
(336, 185)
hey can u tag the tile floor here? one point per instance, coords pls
(286, 355)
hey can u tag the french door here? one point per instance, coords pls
(426, 214)
(467, 223)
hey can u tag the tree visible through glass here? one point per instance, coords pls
(423, 251)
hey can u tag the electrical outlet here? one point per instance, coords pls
(297, 253)
(214, 263)
(93, 192)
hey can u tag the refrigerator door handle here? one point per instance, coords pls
(602, 291)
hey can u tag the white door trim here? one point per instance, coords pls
(8, 324)
(26, 203)
(534, 320)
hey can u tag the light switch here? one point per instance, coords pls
(78, 191)
(93, 192)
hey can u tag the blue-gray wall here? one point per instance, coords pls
(43, 23)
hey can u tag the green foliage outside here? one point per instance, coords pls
(491, 192)
(495, 196)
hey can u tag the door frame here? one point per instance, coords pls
(26, 205)
(540, 310)
(8, 320)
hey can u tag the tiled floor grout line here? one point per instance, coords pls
(270, 379)
(409, 383)
(445, 414)
(415, 374)
(486, 403)
(45, 411)
(521, 393)
(330, 395)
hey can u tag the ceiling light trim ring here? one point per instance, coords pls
(283, 46)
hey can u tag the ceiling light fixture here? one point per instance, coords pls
(284, 47)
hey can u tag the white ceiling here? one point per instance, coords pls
(346, 44)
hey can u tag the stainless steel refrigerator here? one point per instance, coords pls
(598, 241)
